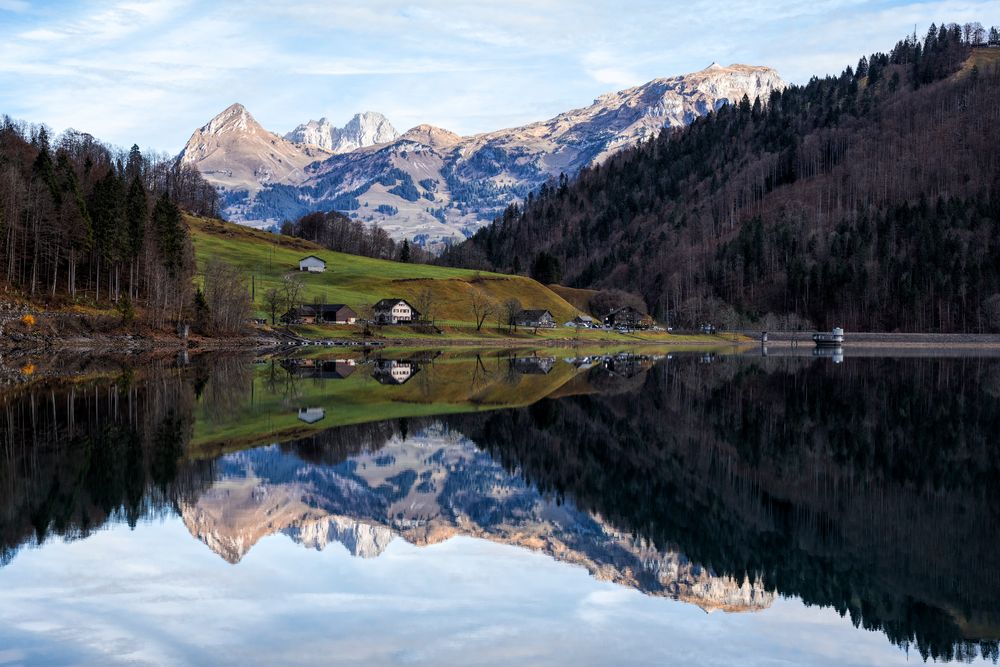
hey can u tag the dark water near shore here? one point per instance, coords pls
(464, 508)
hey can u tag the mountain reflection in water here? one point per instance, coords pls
(868, 486)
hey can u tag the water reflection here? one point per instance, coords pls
(866, 486)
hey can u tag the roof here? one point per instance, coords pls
(313, 308)
(534, 314)
(584, 318)
(389, 303)
(312, 257)
(627, 311)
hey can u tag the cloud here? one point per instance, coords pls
(151, 72)
(606, 67)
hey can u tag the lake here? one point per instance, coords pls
(583, 507)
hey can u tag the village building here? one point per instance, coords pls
(394, 311)
(534, 319)
(581, 321)
(312, 264)
(320, 313)
(391, 371)
(628, 317)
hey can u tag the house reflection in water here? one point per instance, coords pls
(391, 371)
(311, 415)
(627, 365)
(533, 365)
(320, 369)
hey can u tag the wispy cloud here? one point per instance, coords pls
(151, 72)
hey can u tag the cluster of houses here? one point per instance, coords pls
(626, 317)
(400, 311)
(386, 311)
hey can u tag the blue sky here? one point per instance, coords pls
(151, 73)
(156, 595)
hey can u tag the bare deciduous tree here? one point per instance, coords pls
(366, 316)
(511, 309)
(482, 307)
(291, 288)
(424, 302)
(229, 304)
(273, 300)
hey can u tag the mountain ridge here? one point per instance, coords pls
(368, 128)
(426, 489)
(430, 184)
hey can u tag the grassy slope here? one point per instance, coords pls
(456, 382)
(461, 380)
(358, 280)
(579, 298)
(980, 58)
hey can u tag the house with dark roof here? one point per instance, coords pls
(394, 311)
(320, 313)
(628, 317)
(534, 319)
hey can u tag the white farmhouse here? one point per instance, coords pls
(393, 311)
(312, 264)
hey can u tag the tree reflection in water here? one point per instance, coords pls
(868, 486)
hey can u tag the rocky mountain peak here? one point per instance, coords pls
(234, 118)
(234, 151)
(368, 128)
(432, 136)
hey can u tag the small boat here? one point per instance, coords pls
(834, 338)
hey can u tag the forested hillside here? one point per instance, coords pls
(869, 200)
(86, 221)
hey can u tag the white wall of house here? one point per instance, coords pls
(400, 312)
(312, 264)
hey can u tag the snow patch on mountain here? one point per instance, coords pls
(369, 128)
(432, 185)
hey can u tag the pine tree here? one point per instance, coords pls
(862, 68)
(136, 215)
(76, 227)
(404, 251)
(168, 227)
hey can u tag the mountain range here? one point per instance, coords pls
(427, 488)
(430, 184)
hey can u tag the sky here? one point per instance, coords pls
(157, 595)
(151, 72)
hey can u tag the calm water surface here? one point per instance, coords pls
(491, 508)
